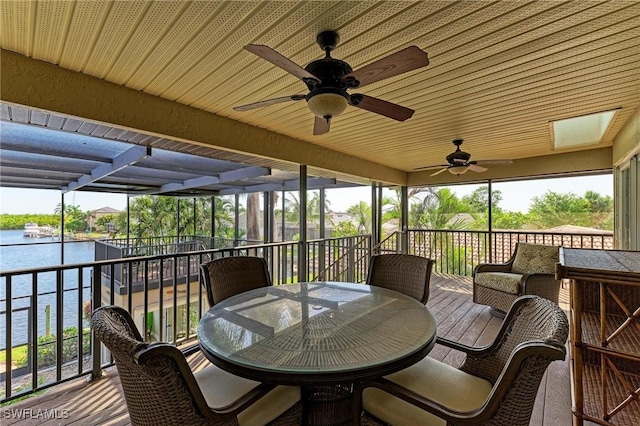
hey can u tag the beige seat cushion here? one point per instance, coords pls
(503, 281)
(221, 388)
(270, 406)
(434, 380)
(535, 259)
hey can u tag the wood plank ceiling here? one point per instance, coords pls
(499, 71)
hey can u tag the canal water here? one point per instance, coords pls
(19, 252)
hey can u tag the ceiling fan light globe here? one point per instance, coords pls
(458, 170)
(325, 105)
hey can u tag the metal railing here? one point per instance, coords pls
(391, 244)
(458, 252)
(166, 300)
(148, 246)
(339, 259)
(162, 293)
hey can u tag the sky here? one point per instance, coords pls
(516, 196)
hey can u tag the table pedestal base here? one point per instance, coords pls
(327, 405)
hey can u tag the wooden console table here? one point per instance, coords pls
(605, 334)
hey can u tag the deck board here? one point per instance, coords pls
(101, 402)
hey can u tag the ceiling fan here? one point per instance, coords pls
(328, 80)
(458, 162)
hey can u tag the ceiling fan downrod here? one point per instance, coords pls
(328, 40)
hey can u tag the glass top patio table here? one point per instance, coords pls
(316, 333)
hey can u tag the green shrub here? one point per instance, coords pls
(47, 346)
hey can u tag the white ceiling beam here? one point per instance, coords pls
(244, 173)
(312, 183)
(289, 185)
(263, 187)
(125, 159)
(229, 176)
(188, 184)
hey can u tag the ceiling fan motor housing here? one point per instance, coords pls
(330, 71)
(458, 156)
(328, 98)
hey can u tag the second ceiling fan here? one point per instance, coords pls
(458, 162)
(328, 80)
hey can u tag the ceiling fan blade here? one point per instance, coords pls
(405, 60)
(268, 102)
(437, 166)
(476, 168)
(439, 171)
(381, 107)
(320, 126)
(265, 52)
(494, 162)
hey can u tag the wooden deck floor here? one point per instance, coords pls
(101, 402)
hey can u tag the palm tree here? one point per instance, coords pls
(437, 209)
(392, 206)
(292, 206)
(74, 218)
(203, 216)
(253, 212)
(362, 215)
(149, 216)
(223, 220)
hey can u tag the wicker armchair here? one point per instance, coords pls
(403, 273)
(229, 276)
(530, 270)
(496, 385)
(160, 388)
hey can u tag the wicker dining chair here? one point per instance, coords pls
(229, 276)
(160, 388)
(496, 385)
(404, 273)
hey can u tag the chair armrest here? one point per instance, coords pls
(467, 418)
(469, 350)
(492, 267)
(536, 352)
(526, 358)
(479, 352)
(495, 267)
(245, 400)
(190, 350)
(227, 412)
(530, 280)
(186, 351)
(544, 285)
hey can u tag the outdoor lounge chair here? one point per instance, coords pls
(228, 276)
(160, 388)
(497, 384)
(403, 273)
(530, 270)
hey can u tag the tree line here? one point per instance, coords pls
(441, 208)
(17, 221)
(429, 208)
